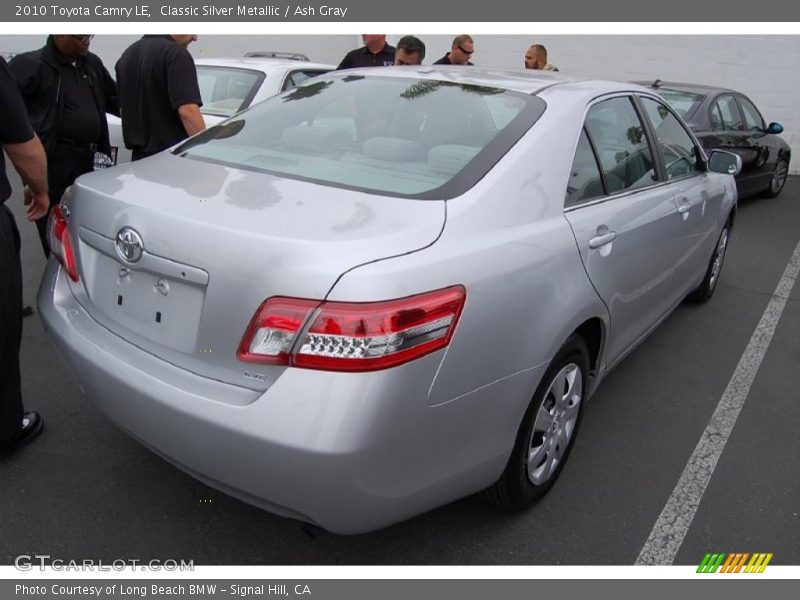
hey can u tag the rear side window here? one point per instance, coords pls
(725, 115)
(621, 143)
(677, 146)
(585, 182)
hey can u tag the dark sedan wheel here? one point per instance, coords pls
(547, 432)
(778, 178)
(706, 289)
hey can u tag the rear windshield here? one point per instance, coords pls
(684, 103)
(394, 136)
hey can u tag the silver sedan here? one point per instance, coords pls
(385, 289)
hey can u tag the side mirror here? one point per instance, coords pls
(775, 128)
(722, 161)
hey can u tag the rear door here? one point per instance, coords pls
(625, 221)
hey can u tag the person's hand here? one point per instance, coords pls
(37, 205)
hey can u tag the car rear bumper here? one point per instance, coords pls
(348, 452)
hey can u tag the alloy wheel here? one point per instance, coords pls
(555, 424)
(779, 177)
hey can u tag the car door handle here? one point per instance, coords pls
(684, 208)
(601, 240)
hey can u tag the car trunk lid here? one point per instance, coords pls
(213, 242)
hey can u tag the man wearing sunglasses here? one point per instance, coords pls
(67, 92)
(460, 53)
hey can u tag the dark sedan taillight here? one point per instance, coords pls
(351, 336)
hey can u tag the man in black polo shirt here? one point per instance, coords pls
(375, 53)
(67, 92)
(460, 52)
(24, 149)
(410, 51)
(159, 94)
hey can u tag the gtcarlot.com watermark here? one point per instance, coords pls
(29, 562)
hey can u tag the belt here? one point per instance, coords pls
(88, 146)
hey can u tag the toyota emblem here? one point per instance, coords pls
(130, 246)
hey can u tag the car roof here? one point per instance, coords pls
(527, 81)
(697, 88)
(261, 64)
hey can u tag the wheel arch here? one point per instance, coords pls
(593, 333)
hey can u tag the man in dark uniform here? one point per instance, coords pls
(375, 53)
(410, 51)
(17, 427)
(460, 52)
(67, 92)
(159, 94)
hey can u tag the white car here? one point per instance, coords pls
(228, 85)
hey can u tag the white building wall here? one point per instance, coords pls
(766, 68)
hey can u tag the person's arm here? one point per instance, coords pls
(192, 118)
(183, 89)
(31, 163)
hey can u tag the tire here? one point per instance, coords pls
(778, 178)
(706, 288)
(546, 440)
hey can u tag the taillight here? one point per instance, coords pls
(351, 336)
(272, 330)
(61, 242)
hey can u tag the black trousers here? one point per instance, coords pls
(10, 329)
(65, 164)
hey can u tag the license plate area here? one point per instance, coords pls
(163, 307)
(104, 161)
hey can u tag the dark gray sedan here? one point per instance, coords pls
(727, 119)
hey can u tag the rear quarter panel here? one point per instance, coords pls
(508, 243)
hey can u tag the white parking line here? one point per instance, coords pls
(672, 525)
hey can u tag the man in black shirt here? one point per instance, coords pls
(410, 51)
(24, 149)
(460, 52)
(159, 94)
(375, 53)
(67, 92)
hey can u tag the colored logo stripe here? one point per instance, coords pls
(711, 563)
(733, 563)
(758, 563)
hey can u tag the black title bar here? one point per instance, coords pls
(570, 11)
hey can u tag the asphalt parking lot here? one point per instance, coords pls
(87, 490)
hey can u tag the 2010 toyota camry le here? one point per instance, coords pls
(386, 289)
